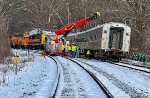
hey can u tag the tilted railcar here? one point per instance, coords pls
(110, 40)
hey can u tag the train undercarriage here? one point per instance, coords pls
(103, 55)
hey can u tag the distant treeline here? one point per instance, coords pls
(23, 15)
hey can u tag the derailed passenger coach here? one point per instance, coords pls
(107, 41)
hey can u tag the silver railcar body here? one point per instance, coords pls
(110, 40)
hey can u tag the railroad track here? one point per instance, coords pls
(133, 66)
(55, 86)
(100, 84)
(139, 65)
(69, 89)
(132, 92)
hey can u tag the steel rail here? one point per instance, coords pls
(133, 64)
(100, 84)
(142, 70)
(55, 87)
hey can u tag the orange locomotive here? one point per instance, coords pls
(16, 40)
(35, 41)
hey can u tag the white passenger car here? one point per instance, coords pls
(110, 40)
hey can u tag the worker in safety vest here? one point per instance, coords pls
(69, 50)
(77, 51)
(73, 50)
(63, 49)
(88, 54)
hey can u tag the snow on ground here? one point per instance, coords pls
(136, 67)
(85, 86)
(131, 80)
(34, 78)
(145, 64)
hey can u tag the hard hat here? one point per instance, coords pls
(72, 43)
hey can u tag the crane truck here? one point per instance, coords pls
(55, 40)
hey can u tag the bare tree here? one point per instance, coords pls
(4, 49)
(136, 14)
(23, 15)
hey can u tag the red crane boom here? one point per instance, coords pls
(66, 30)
